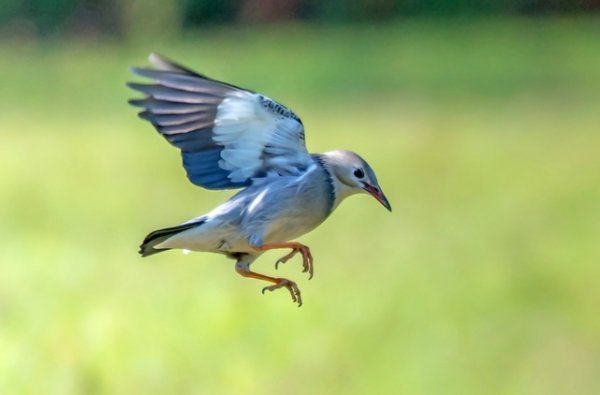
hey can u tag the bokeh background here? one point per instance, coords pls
(482, 120)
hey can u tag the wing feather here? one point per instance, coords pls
(228, 136)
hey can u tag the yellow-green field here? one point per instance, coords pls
(484, 280)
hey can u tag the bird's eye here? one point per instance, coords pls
(358, 173)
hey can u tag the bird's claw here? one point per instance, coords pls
(290, 285)
(283, 260)
(286, 258)
(307, 259)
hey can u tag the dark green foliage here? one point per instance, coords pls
(106, 16)
(45, 15)
(196, 12)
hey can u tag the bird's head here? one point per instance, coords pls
(352, 174)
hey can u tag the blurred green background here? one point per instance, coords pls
(482, 124)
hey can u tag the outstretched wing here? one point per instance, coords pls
(227, 135)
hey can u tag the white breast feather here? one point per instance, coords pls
(257, 200)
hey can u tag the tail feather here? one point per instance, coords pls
(160, 235)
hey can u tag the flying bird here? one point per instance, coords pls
(234, 138)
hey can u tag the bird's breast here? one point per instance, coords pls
(299, 211)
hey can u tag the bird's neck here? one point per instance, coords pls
(341, 191)
(338, 191)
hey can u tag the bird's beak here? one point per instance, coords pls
(378, 195)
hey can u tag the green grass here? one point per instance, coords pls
(484, 135)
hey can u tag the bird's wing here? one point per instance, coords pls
(227, 135)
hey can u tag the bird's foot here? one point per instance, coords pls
(290, 285)
(307, 259)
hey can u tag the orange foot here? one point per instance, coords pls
(243, 269)
(307, 259)
(290, 285)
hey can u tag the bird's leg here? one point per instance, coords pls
(307, 259)
(243, 268)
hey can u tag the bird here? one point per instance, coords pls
(234, 138)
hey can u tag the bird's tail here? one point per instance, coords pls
(160, 235)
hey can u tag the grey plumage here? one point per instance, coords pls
(230, 137)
